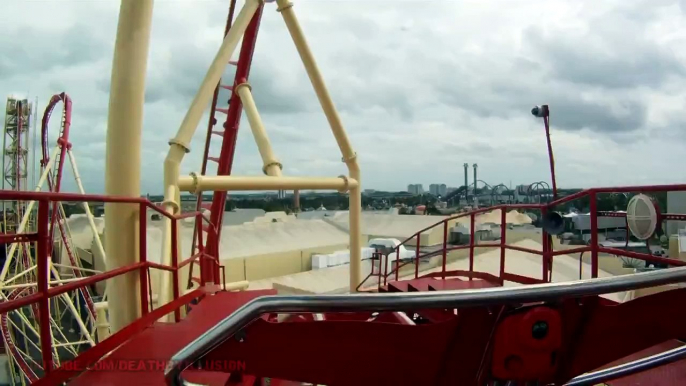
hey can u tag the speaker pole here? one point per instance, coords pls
(544, 112)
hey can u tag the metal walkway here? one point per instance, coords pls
(161, 342)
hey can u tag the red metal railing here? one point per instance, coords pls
(45, 293)
(547, 253)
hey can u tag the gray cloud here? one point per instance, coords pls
(33, 51)
(605, 57)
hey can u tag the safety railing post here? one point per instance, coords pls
(217, 264)
(471, 243)
(42, 251)
(397, 262)
(203, 262)
(445, 247)
(380, 256)
(416, 256)
(548, 254)
(594, 233)
(143, 253)
(544, 242)
(201, 249)
(198, 226)
(175, 266)
(385, 270)
(503, 240)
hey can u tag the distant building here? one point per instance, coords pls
(438, 189)
(415, 188)
(676, 203)
(523, 189)
(521, 193)
(280, 194)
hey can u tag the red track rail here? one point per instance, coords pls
(209, 271)
(55, 181)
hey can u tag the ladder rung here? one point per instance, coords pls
(219, 133)
(233, 62)
(225, 111)
(225, 87)
(215, 159)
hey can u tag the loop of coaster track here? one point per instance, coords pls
(53, 177)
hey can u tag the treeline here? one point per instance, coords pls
(330, 202)
(606, 202)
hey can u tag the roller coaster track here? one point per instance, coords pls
(229, 135)
(54, 178)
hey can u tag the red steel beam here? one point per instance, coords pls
(42, 256)
(228, 150)
(210, 126)
(546, 122)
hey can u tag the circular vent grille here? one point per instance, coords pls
(642, 216)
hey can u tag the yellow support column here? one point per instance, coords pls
(123, 156)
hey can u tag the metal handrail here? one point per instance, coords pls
(630, 368)
(405, 301)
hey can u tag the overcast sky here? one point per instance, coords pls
(422, 86)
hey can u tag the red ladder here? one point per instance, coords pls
(209, 270)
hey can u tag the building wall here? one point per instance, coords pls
(676, 203)
(267, 265)
(279, 264)
(582, 222)
(259, 267)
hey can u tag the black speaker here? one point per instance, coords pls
(540, 111)
(553, 223)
